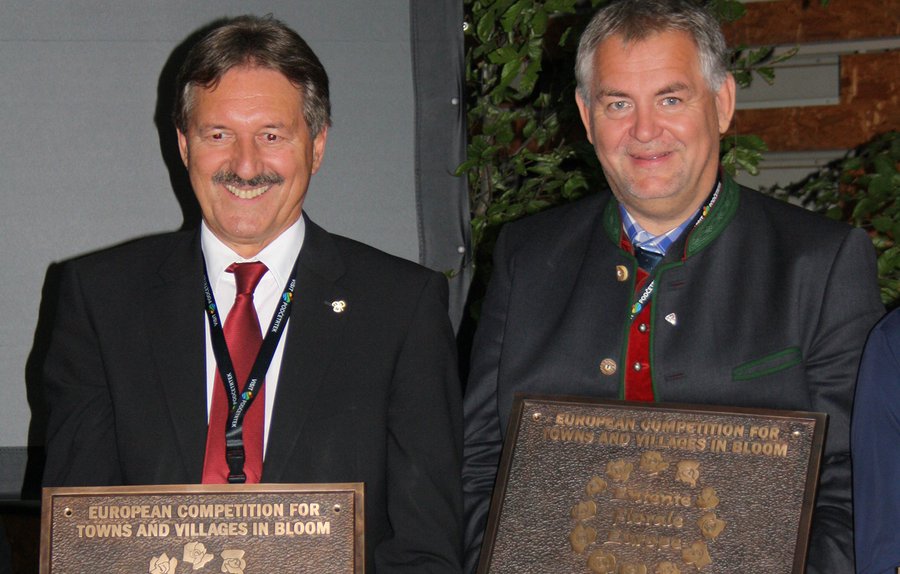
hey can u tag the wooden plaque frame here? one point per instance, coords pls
(239, 529)
(598, 486)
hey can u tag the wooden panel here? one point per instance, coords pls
(788, 22)
(870, 105)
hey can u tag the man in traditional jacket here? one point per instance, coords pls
(679, 285)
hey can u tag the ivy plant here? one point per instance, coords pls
(863, 189)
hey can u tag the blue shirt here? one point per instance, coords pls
(638, 236)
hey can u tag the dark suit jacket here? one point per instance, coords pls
(876, 464)
(370, 394)
(771, 308)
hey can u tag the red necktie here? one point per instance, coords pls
(243, 338)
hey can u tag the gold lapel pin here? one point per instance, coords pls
(339, 306)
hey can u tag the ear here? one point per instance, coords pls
(585, 110)
(182, 147)
(725, 103)
(319, 148)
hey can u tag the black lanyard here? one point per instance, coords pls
(239, 402)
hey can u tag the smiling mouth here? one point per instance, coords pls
(650, 156)
(247, 188)
(247, 193)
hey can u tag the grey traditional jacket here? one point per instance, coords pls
(763, 304)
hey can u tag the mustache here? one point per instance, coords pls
(231, 178)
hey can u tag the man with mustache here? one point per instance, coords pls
(679, 285)
(328, 360)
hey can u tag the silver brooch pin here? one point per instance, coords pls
(672, 318)
(339, 306)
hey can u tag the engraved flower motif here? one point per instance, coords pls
(195, 554)
(162, 564)
(602, 562)
(584, 510)
(632, 569)
(688, 471)
(233, 561)
(581, 537)
(652, 462)
(596, 486)
(707, 498)
(619, 470)
(697, 554)
(710, 525)
(666, 568)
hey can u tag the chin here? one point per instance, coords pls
(651, 192)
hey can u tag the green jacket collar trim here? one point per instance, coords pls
(718, 219)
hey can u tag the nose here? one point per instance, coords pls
(646, 125)
(246, 160)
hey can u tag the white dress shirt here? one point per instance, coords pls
(279, 256)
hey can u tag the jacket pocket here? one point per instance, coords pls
(771, 363)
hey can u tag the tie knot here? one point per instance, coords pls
(247, 275)
(647, 258)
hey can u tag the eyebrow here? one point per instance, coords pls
(670, 89)
(220, 126)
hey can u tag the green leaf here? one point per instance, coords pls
(882, 223)
(564, 6)
(503, 55)
(573, 185)
(751, 142)
(880, 185)
(853, 164)
(835, 213)
(863, 209)
(539, 22)
(536, 205)
(884, 166)
(759, 54)
(485, 28)
(515, 211)
(511, 15)
(784, 56)
(728, 10)
(509, 72)
(540, 169)
(767, 74)
(742, 77)
(529, 77)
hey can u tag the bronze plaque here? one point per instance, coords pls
(235, 529)
(608, 487)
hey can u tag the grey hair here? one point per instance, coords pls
(636, 20)
(263, 42)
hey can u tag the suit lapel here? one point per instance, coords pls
(312, 343)
(177, 343)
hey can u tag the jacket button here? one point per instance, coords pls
(608, 367)
(621, 273)
(637, 366)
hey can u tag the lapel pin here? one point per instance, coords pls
(339, 306)
(672, 318)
